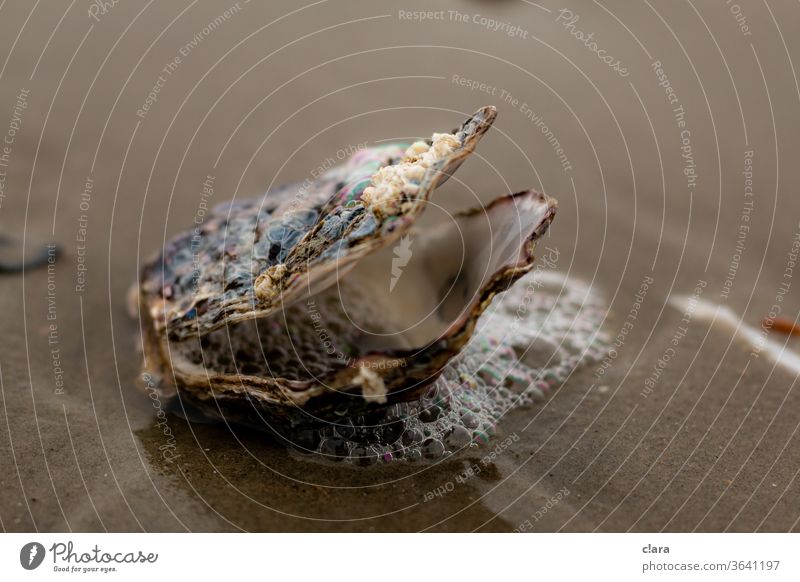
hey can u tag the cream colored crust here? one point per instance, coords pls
(372, 387)
(385, 194)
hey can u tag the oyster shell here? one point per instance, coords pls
(286, 303)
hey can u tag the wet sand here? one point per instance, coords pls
(649, 190)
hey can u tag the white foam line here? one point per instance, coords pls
(727, 318)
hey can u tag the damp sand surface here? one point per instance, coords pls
(707, 441)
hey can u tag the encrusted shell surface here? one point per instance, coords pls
(208, 278)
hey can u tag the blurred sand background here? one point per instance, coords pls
(279, 87)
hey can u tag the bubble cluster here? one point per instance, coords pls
(527, 344)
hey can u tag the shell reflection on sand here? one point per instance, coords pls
(527, 343)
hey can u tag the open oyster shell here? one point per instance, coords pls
(285, 302)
